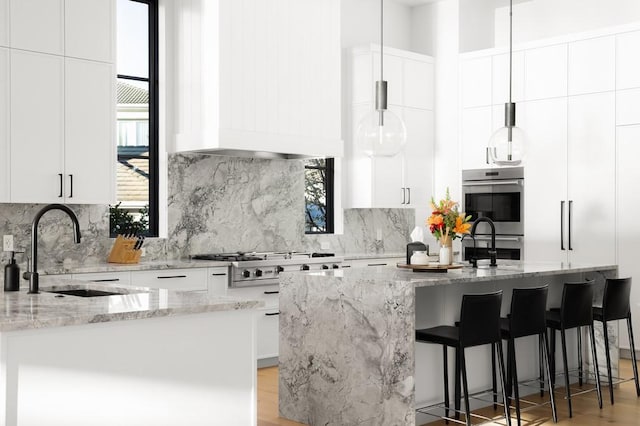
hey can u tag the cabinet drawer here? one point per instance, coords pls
(171, 279)
(268, 293)
(268, 324)
(119, 278)
(360, 263)
(218, 281)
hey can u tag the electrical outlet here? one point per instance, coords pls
(7, 243)
(143, 251)
(325, 245)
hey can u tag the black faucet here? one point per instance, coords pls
(32, 275)
(492, 253)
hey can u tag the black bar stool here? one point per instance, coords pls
(479, 325)
(575, 311)
(527, 318)
(615, 306)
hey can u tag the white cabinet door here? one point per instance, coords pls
(218, 281)
(4, 23)
(592, 65)
(37, 25)
(545, 71)
(475, 132)
(115, 278)
(419, 161)
(5, 163)
(393, 75)
(359, 189)
(546, 178)
(172, 279)
(37, 133)
(388, 181)
(89, 28)
(628, 107)
(418, 84)
(500, 75)
(268, 333)
(591, 183)
(628, 173)
(89, 132)
(475, 78)
(361, 79)
(628, 60)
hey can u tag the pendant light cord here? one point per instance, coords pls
(510, 46)
(381, 39)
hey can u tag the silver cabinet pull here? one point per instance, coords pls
(377, 264)
(486, 155)
(570, 220)
(404, 197)
(562, 225)
(409, 195)
(492, 182)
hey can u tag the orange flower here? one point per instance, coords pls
(461, 227)
(435, 219)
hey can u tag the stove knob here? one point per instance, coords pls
(336, 266)
(279, 269)
(258, 272)
(246, 273)
(325, 267)
(304, 268)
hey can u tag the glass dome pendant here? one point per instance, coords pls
(506, 146)
(381, 133)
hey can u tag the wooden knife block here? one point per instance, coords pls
(123, 252)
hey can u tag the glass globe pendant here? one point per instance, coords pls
(506, 146)
(381, 133)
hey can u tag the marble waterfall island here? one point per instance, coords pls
(143, 357)
(347, 337)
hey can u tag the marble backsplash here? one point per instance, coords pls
(215, 204)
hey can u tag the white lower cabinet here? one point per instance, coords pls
(5, 163)
(115, 278)
(382, 261)
(218, 281)
(172, 279)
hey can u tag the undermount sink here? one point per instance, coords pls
(85, 292)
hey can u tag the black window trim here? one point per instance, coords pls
(154, 127)
(329, 168)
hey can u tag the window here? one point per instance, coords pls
(137, 114)
(318, 195)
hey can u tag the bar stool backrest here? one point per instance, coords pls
(615, 303)
(528, 311)
(480, 319)
(577, 304)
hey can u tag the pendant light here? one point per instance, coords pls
(506, 146)
(381, 133)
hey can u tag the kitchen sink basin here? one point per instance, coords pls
(85, 292)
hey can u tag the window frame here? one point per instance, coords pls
(154, 112)
(329, 184)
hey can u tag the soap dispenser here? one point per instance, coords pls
(12, 275)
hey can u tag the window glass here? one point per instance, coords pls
(133, 38)
(319, 196)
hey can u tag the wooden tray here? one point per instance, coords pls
(430, 268)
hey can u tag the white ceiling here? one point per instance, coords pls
(414, 2)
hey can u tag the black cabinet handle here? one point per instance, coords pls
(270, 314)
(570, 220)
(172, 276)
(219, 275)
(562, 225)
(106, 280)
(71, 186)
(377, 264)
(486, 155)
(60, 176)
(271, 292)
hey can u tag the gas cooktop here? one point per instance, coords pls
(253, 256)
(227, 257)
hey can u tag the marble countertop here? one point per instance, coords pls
(358, 256)
(80, 268)
(23, 311)
(505, 270)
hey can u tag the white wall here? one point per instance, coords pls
(361, 23)
(422, 29)
(538, 19)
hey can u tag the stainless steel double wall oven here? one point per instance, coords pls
(499, 195)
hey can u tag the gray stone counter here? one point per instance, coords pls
(81, 268)
(23, 311)
(347, 337)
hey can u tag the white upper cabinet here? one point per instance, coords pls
(476, 130)
(418, 84)
(476, 80)
(501, 78)
(393, 75)
(545, 70)
(5, 164)
(37, 25)
(89, 132)
(37, 127)
(89, 28)
(628, 107)
(4, 23)
(592, 65)
(628, 60)
(258, 76)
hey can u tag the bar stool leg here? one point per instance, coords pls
(494, 383)
(545, 355)
(566, 369)
(634, 362)
(445, 369)
(507, 416)
(608, 355)
(595, 365)
(465, 387)
(456, 389)
(579, 333)
(514, 376)
(541, 365)
(553, 356)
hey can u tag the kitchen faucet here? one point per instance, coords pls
(492, 253)
(32, 275)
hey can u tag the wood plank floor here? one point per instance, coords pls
(626, 410)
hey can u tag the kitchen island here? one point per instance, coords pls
(140, 357)
(347, 337)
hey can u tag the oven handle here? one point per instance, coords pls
(488, 238)
(492, 182)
